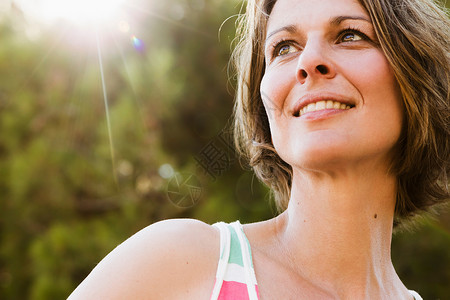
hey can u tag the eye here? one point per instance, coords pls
(351, 36)
(284, 48)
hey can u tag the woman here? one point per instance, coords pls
(343, 110)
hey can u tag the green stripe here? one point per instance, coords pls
(235, 249)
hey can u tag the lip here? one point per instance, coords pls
(316, 97)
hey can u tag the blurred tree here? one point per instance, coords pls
(422, 257)
(69, 194)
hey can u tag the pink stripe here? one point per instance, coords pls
(232, 290)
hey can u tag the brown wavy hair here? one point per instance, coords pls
(414, 36)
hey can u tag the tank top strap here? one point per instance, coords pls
(225, 241)
(415, 295)
(235, 276)
(247, 260)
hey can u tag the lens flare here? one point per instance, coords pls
(138, 44)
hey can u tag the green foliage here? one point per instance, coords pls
(70, 192)
(422, 259)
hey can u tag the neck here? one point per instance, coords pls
(338, 231)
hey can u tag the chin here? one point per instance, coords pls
(315, 149)
(319, 161)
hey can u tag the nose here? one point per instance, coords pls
(314, 63)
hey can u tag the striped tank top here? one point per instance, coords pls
(235, 277)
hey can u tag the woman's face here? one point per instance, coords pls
(329, 91)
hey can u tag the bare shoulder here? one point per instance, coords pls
(173, 259)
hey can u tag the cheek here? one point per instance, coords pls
(274, 89)
(382, 105)
(269, 99)
(273, 95)
(376, 78)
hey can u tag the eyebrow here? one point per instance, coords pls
(338, 20)
(288, 28)
(333, 21)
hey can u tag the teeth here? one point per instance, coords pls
(310, 107)
(321, 105)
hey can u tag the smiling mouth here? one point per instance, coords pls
(322, 105)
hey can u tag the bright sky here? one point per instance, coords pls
(79, 12)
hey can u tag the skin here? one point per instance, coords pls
(173, 259)
(333, 241)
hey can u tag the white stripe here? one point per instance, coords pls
(225, 238)
(249, 273)
(235, 272)
(415, 295)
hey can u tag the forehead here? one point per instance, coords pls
(287, 12)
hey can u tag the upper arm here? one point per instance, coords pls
(163, 261)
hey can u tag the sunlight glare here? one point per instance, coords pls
(80, 12)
